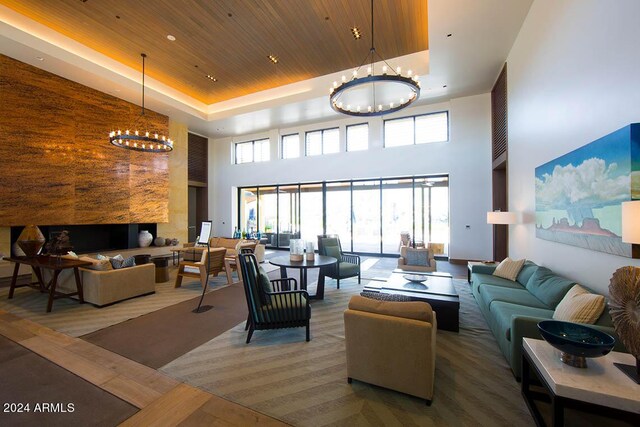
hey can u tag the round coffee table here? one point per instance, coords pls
(319, 261)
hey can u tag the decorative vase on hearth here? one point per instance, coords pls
(144, 238)
(31, 240)
(159, 241)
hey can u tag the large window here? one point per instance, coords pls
(422, 129)
(252, 151)
(358, 137)
(290, 146)
(368, 215)
(319, 142)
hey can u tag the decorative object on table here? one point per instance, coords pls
(571, 209)
(296, 249)
(576, 342)
(374, 94)
(159, 241)
(167, 242)
(58, 244)
(31, 240)
(174, 242)
(416, 278)
(310, 251)
(144, 238)
(141, 139)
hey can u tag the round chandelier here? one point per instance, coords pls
(141, 140)
(374, 94)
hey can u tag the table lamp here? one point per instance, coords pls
(624, 293)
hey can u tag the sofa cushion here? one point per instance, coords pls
(504, 311)
(511, 295)
(548, 287)
(348, 269)
(479, 280)
(265, 284)
(509, 269)
(408, 310)
(526, 272)
(580, 306)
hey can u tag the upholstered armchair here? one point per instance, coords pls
(417, 259)
(348, 265)
(391, 345)
(272, 304)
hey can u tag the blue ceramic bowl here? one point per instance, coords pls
(575, 339)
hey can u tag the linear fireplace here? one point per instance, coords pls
(95, 237)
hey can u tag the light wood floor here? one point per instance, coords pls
(162, 400)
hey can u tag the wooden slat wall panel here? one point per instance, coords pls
(198, 149)
(499, 115)
(56, 163)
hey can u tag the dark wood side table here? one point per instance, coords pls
(319, 261)
(162, 268)
(56, 264)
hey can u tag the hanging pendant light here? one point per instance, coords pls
(141, 139)
(374, 94)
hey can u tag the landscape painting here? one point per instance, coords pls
(579, 195)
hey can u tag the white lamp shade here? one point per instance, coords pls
(631, 221)
(498, 217)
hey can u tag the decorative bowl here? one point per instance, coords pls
(415, 278)
(576, 342)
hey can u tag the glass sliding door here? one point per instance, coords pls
(440, 214)
(422, 197)
(248, 208)
(366, 216)
(268, 213)
(311, 209)
(288, 214)
(339, 212)
(397, 212)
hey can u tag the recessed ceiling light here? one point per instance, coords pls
(444, 86)
(39, 58)
(210, 77)
(171, 37)
(356, 33)
(449, 35)
(273, 59)
(117, 16)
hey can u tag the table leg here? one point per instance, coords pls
(52, 290)
(557, 411)
(303, 279)
(283, 272)
(38, 273)
(227, 269)
(14, 279)
(76, 272)
(468, 274)
(320, 287)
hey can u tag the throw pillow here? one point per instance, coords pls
(333, 251)
(96, 264)
(580, 306)
(129, 262)
(548, 287)
(116, 261)
(385, 297)
(509, 269)
(265, 286)
(102, 257)
(418, 257)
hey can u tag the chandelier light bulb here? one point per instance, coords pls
(126, 132)
(358, 108)
(146, 134)
(369, 108)
(344, 78)
(379, 107)
(391, 105)
(409, 73)
(398, 69)
(401, 100)
(348, 106)
(339, 104)
(369, 70)
(384, 69)
(355, 73)
(335, 84)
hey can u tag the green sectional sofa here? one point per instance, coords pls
(513, 309)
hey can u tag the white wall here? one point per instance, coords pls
(573, 76)
(466, 158)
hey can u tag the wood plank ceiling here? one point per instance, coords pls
(232, 39)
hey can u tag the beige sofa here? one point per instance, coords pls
(425, 253)
(107, 287)
(392, 345)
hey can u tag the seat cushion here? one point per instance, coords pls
(284, 308)
(503, 312)
(348, 269)
(479, 280)
(548, 287)
(515, 296)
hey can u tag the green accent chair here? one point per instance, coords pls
(348, 265)
(272, 304)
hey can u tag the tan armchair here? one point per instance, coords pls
(392, 345)
(427, 261)
(216, 265)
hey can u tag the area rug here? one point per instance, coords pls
(30, 379)
(157, 338)
(305, 384)
(74, 319)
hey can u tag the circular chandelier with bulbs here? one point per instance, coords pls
(374, 94)
(141, 141)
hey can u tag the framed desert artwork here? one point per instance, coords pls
(578, 195)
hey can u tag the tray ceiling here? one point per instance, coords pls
(231, 40)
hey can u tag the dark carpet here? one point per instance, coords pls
(162, 336)
(30, 379)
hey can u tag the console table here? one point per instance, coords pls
(52, 263)
(601, 388)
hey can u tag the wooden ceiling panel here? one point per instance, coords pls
(232, 39)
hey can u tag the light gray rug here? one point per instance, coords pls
(305, 384)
